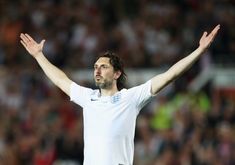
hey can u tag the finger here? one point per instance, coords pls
(204, 34)
(24, 38)
(22, 42)
(29, 37)
(215, 30)
(42, 42)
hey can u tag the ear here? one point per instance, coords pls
(117, 74)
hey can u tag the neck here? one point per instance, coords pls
(109, 92)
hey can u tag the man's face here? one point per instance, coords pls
(104, 74)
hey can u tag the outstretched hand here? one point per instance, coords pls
(206, 40)
(31, 45)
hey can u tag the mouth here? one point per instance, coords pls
(97, 77)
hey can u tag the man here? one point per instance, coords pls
(110, 113)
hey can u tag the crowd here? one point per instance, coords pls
(146, 33)
(40, 126)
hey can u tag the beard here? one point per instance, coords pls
(105, 84)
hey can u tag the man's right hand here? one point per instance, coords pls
(56, 75)
(31, 45)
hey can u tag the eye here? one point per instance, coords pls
(101, 67)
(104, 66)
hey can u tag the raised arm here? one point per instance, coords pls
(161, 80)
(57, 76)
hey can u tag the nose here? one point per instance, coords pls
(97, 71)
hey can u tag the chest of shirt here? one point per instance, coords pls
(109, 107)
(112, 116)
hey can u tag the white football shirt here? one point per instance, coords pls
(109, 122)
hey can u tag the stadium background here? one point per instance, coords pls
(191, 122)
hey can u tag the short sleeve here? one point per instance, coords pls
(79, 94)
(141, 94)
